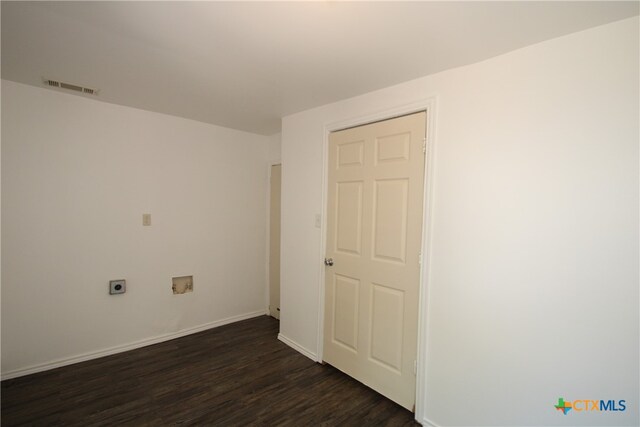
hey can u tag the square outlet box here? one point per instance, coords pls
(182, 284)
(117, 287)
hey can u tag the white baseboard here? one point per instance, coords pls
(297, 347)
(427, 423)
(126, 347)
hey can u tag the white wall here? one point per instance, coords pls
(76, 177)
(275, 148)
(533, 289)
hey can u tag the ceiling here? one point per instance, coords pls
(244, 65)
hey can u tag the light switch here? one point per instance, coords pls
(146, 219)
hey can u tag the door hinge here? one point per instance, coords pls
(424, 145)
(420, 257)
(415, 367)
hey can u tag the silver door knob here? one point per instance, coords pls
(328, 261)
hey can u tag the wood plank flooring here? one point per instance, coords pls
(234, 375)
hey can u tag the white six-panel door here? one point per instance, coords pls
(374, 235)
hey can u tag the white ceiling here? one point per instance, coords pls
(244, 65)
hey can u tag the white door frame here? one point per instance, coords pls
(267, 296)
(428, 105)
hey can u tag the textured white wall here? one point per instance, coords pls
(533, 293)
(76, 177)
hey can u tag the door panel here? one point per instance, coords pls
(374, 234)
(390, 220)
(387, 318)
(349, 217)
(345, 313)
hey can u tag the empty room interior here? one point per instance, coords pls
(320, 213)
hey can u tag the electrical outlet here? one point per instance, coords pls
(117, 287)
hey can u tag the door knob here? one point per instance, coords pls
(328, 261)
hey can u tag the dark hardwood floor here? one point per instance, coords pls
(234, 375)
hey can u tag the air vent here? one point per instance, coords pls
(69, 86)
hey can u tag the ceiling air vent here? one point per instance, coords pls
(69, 86)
